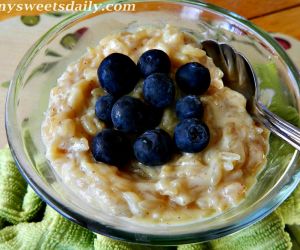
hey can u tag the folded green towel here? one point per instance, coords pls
(267, 234)
(289, 210)
(15, 193)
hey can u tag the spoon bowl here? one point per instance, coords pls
(239, 76)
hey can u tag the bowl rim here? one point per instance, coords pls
(36, 183)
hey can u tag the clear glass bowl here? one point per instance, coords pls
(37, 73)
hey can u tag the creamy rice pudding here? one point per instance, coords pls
(190, 186)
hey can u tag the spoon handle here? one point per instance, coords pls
(278, 126)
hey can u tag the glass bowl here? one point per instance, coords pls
(38, 71)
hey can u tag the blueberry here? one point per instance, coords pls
(154, 61)
(129, 115)
(189, 107)
(193, 78)
(118, 74)
(153, 148)
(191, 135)
(111, 147)
(153, 117)
(103, 108)
(159, 90)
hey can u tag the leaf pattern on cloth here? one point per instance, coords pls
(30, 20)
(57, 14)
(43, 68)
(49, 52)
(5, 84)
(70, 40)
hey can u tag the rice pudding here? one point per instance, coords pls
(190, 186)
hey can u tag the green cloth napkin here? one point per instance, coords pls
(26, 223)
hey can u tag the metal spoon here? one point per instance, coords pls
(239, 76)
